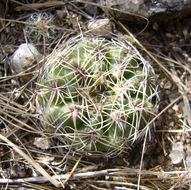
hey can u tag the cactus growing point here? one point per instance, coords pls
(97, 95)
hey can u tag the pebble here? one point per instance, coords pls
(100, 27)
(176, 107)
(171, 124)
(177, 153)
(135, 10)
(24, 57)
(168, 85)
(42, 143)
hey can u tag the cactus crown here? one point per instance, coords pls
(97, 95)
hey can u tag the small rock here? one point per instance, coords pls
(141, 10)
(176, 157)
(178, 146)
(42, 142)
(100, 27)
(24, 57)
(171, 124)
(177, 153)
(176, 107)
(167, 85)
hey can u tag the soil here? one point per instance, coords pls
(147, 165)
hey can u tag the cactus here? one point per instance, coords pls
(97, 95)
(40, 26)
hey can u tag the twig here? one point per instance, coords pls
(87, 175)
(27, 7)
(56, 177)
(72, 172)
(3, 28)
(36, 165)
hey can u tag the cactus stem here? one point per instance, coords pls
(96, 93)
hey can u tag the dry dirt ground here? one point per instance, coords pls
(148, 165)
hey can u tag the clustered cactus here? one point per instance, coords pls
(97, 95)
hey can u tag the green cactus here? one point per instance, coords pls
(40, 26)
(97, 95)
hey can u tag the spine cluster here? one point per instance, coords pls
(97, 95)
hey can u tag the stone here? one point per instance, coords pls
(24, 57)
(168, 85)
(100, 27)
(141, 10)
(42, 143)
(177, 153)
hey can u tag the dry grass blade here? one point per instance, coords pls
(35, 186)
(187, 109)
(164, 110)
(151, 177)
(85, 175)
(125, 184)
(73, 170)
(37, 166)
(39, 5)
(30, 129)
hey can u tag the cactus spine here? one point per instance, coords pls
(97, 95)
